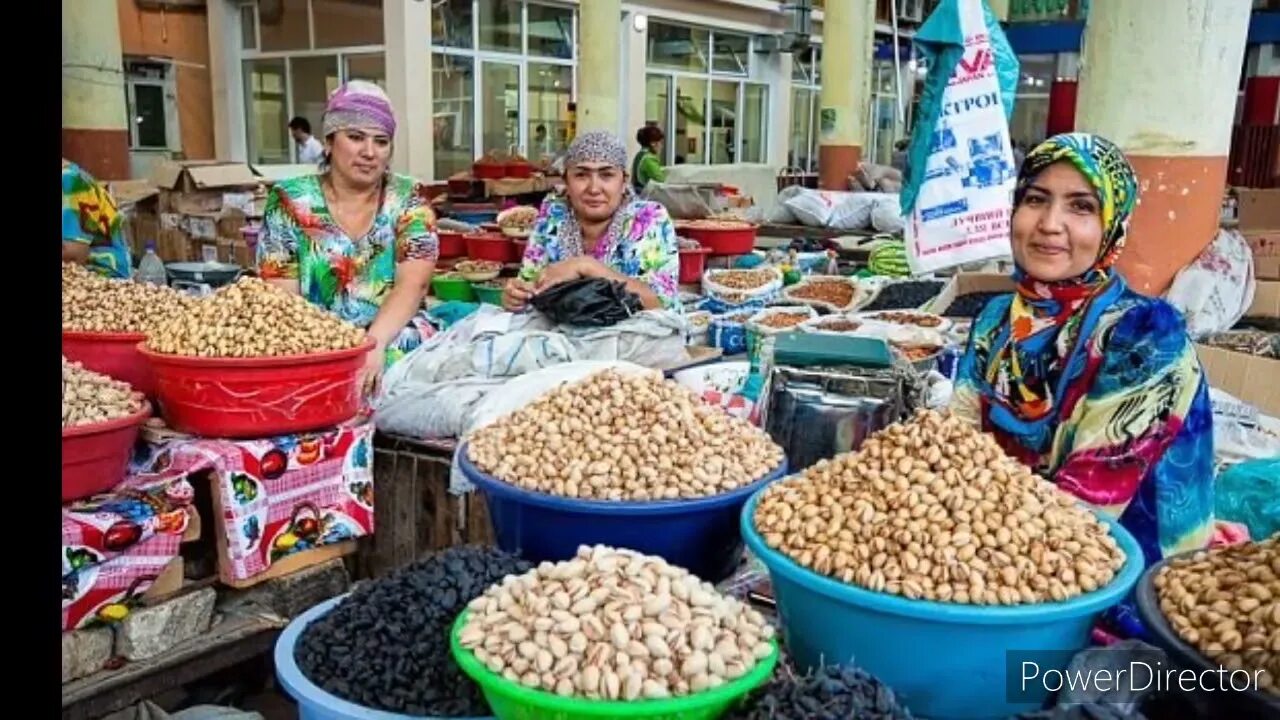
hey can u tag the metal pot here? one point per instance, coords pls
(213, 274)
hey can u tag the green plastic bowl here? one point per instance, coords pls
(513, 701)
(487, 293)
(452, 288)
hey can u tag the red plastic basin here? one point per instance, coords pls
(451, 244)
(94, 457)
(519, 170)
(258, 397)
(692, 264)
(489, 171)
(520, 244)
(735, 241)
(491, 246)
(112, 354)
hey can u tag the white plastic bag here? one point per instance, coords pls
(1214, 292)
(853, 212)
(962, 211)
(814, 207)
(886, 214)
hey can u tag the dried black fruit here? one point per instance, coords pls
(830, 693)
(905, 295)
(968, 306)
(386, 646)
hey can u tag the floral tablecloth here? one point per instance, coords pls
(279, 496)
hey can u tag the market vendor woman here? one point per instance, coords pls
(597, 227)
(1093, 385)
(356, 239)
(92, 227)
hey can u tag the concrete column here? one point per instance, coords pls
(1177, 131)
(95, 133)
(599, 65)
(226, 81)
(408, 62)
(848, 31)
(635, 60)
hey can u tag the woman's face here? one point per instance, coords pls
(361, 156)
(595, 190)
(1057, 228)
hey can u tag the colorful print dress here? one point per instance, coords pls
(1133, 430)
(349, 277)
(89, 216)
(640, 243)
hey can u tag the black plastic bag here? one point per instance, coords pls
(588, 302)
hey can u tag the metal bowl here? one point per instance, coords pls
(213, 274)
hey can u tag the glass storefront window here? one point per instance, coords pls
(266, 106)
(1030, 120)
(372, 67)
(805, 65)
(1037, 72)
(549, 94)
(451, 23)
(691, 121)
(724, 122)
(500, 27)
(755, 108)
(453, 123)
(550, 31)
(732, 53)
(657, 109)
(801, 146)
(346, 23)
(678, 47)
(500, 116)
(311, 81)
(285, 27)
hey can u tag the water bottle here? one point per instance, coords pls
(151, 269)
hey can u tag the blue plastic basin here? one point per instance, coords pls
(313, 702)
(945, 660)
(700, 535)
(476, 217)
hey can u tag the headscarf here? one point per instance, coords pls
(358, 104)
(1029, 365)
(595, 146)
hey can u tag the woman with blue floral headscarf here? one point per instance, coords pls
(1094, 386)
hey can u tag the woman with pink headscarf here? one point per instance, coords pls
(356, 239)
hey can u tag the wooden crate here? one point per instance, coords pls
(414, 512)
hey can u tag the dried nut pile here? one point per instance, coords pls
(782, 319)
(616, 437)
(614, 625)
(712, 224)
(93, 303)
(933, 509)
(89, 397)
(903, 317)
(477, 266)
(836, 292)
(252, 318)
(1227, 604)
(836, 324)
(743, 279)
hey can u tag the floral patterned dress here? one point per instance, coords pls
(640, 243)
(349, 277)
(89, 216)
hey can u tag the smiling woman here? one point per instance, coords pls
(1094, 386)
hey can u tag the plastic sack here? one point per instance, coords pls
(859, 297)
(960, 168)
(587, 302)
(722, 298)
(519, 392)
(814, 207)
(779, 213)
(1122, 700)
(148, 710)
(853, 211)
(1238, 432)
(652, 338)
(1249, 493)
(719, 384)
(682, 201)
(1215, 290)
(886, 214)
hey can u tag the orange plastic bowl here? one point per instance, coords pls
(112, 354)
(95, 457)
(258, 397)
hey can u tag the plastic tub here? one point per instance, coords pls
(258, 397)
(520, 244)
(314, 703)
(474, 217)
(518, 169)
(488, 292)
(112, 354)
(700, 535)
(730, 241)
(445, 287)
(94, 457)
(692, 264)
(491, 246)
(452, 244)
(513, 701)
(1244, 703)
(489, 170)
(944, 660)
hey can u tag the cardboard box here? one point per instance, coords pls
(1266, 301)
(198, 187)
(243, 255)
(1263, 243)
(173, 245)
(967, 283)
(201, 227)
(1258, 209)
(231, 223)
(1247, 377)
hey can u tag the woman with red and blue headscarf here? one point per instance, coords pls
(1093, 385)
